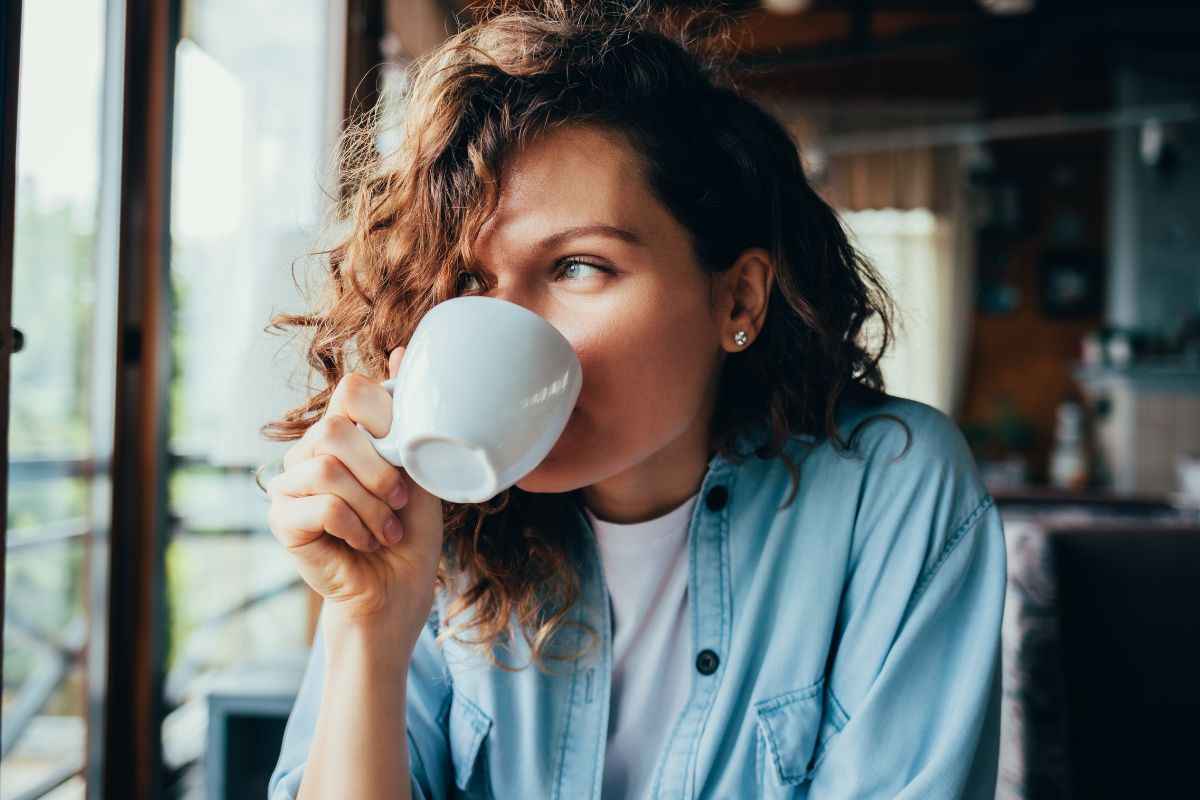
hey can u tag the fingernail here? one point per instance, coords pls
(393, 531)
(399, 496)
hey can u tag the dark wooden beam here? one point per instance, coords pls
(136, 613)
(364, 36)
(10, 62)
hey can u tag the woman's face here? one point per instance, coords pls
(634, 303)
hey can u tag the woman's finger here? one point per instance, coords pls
(338, 436)
(326, 474)
(362, 400)
(356, 398)
(298, 521)
(394, 359)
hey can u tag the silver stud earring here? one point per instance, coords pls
(740, 338)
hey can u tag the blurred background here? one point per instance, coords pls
(1026, 177)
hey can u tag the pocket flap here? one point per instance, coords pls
(789, 724)
(467, 727)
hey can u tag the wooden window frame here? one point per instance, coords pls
(128, 626)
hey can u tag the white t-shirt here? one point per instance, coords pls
(646, 569)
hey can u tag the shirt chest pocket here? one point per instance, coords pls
(468, 728)
(789, 739)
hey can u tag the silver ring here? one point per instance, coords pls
(273, 468)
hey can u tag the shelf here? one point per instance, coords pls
(1173, 375)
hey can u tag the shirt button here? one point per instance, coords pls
(707, 662)
(716, 498)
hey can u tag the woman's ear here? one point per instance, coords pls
(748, 286)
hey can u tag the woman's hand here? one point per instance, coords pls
(364, 536)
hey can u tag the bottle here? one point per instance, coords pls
(1068, 460)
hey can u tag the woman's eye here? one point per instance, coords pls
(564, 268)
(569, 269)
(464, 278)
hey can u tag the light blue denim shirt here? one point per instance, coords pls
(846, 646)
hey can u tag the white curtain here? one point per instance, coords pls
(927, 264)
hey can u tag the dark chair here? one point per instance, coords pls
(1130, 628)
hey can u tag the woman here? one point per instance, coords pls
(743, 571)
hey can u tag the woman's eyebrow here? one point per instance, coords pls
(579, 231)
(556, 239)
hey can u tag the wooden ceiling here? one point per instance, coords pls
(943, 50)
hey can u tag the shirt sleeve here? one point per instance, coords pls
(428, 701)
(913, 685)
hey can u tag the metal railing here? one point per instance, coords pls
(60, 651)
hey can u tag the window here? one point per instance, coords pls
(248, 199)
(60, 425)
(253, 113)
(916, 251)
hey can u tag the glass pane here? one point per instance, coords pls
(248, 199)
(61, 400)
(45, 631)
(37, 504)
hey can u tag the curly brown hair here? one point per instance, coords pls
(718, 162)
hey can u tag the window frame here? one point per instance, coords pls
(127, 626)
(10, 30)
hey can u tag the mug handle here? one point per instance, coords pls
(386, 445)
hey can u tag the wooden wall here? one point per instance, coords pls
(1024, 354)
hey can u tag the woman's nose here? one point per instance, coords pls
(520, 297)
(529, 300)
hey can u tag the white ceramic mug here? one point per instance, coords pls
(483, 392)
